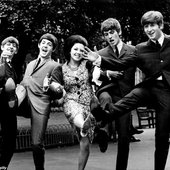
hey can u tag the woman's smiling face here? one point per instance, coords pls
(77, 51)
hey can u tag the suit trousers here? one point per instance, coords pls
(123, 130)
(38, 128)
(157, 95)
(8, 121)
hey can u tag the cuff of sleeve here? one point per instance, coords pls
(107, 74)
(97, 62)
(96, 75)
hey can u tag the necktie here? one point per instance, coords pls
(38, 62)
(116, 51)
(158, 45)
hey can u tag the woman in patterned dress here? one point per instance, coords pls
(74, 77)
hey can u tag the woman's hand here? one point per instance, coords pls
(90, 55)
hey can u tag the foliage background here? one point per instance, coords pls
(29, 19)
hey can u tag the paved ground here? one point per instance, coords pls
(65, 158)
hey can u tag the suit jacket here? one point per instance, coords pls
(6, 72)
(33, 82)
(152, 61)
(118, 86)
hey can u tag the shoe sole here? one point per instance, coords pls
(102, 139)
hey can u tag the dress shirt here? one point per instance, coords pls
(117, 50)
(119, 46)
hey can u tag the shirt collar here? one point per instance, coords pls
(8, 60)
(119, 46)
(161, 39)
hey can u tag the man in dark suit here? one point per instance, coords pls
(116, 84)
(8, 100)
(152, 57)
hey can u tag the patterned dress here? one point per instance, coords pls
(79, 93)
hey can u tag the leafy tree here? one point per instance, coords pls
(28, 20)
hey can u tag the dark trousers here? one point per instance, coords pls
(8, 121)
(156, 93)
(38, 128)
(123, 130)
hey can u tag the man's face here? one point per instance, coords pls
(45, 48)
(9, 49)
(112, 37)
(153, 31)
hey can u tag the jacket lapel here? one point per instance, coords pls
(150, 43)
(123, 50)
(166, 41)
(39, 66)
(36, 64)
(111, 52)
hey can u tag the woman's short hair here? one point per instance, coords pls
(109, 24)
(152, 17)
(51, 38)
(69, 43)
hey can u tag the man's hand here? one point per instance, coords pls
(5, 54)
(114, 74)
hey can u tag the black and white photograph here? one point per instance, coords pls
(84, 84)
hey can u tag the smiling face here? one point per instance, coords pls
(45, 48)
(76, 52)
(9, 49)
(112, 37)
(153, 30)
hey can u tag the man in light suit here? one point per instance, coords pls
(116, 84)
(152, 57)
(35, 81)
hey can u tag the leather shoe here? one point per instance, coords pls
(56, 91)
(10, 92)
(133, 139)
(102, 140)
(135, 131)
